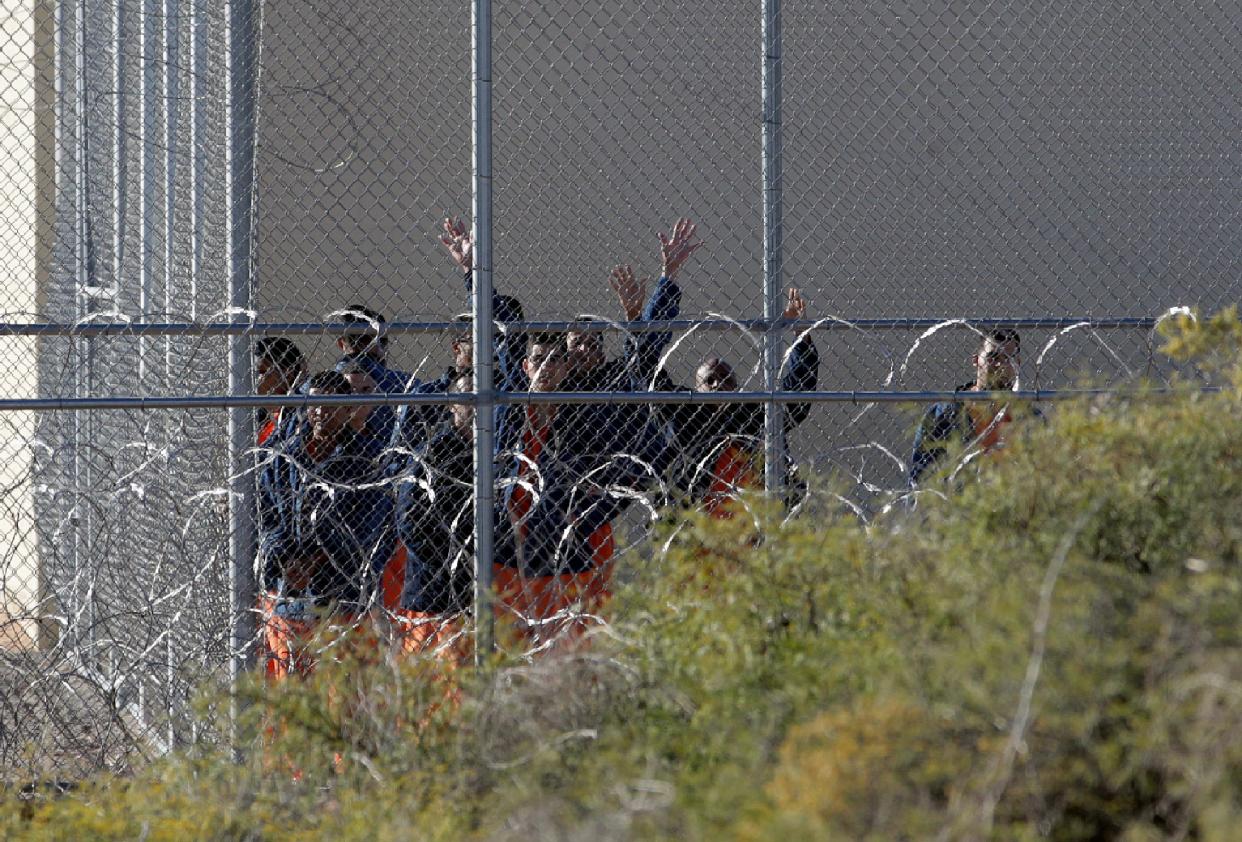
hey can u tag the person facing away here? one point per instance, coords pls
(977, 424)
(717, 445)
(279, 369)
(435, 521)
(560, 468)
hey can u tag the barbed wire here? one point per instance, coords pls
(951, 178)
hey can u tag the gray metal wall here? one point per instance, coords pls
(970, 158)
(957, 159)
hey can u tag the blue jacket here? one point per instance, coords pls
(943, 425)
(270, 459)
(632, 372)
(334, 506)
(595, 456)
(697, 430)
(415, 424)
(432, 467)
(435, 517)
(382, 420)
(664, 305)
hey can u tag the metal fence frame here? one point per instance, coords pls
(244, 30)
(244, 22)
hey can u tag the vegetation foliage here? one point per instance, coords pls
(1050, 649)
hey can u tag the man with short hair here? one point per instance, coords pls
(563, 466)
(977, 424)
(590, 369)
(279, 369)
(415, 424)
(323, 512)
(365, 357)
(717, 446)
(369, 347)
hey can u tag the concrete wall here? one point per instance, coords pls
(951, 159)
(25, 147)
(945, 159)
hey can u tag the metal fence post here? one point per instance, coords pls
(773, 416)
(484, 415)
(242, 71)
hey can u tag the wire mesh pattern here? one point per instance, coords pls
(1063, 171)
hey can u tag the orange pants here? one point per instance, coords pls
(285, 641)
(393, 579)
(289, 641)
(734, 471)
(444, 635)
(551, 609)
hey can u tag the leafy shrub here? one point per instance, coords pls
(1052, 650)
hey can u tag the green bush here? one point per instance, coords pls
(1052, 650)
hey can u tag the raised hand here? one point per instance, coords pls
(456, 238)
(630, 291)
(677, 247)
(795, 305)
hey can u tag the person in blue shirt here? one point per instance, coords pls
(566, 472)
(590, 369)
(978, 424)
(369, 346)
(279, 369)
(323, 517)
(717, 446)
(435, 522)
(415, 424)
(365, 360)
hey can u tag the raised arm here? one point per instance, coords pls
(643, 350)
(803, 366)
(459, 244)
(665, 302)
(456, 239)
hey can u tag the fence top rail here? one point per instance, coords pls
(857, 396)
(130, 329)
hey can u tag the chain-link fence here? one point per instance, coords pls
(208, 202)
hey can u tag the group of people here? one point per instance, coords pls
(369, 508)
(363, 508)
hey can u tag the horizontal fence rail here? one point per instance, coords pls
(153, 329)
(855, 396)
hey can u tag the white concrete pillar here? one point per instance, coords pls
(26, 138)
